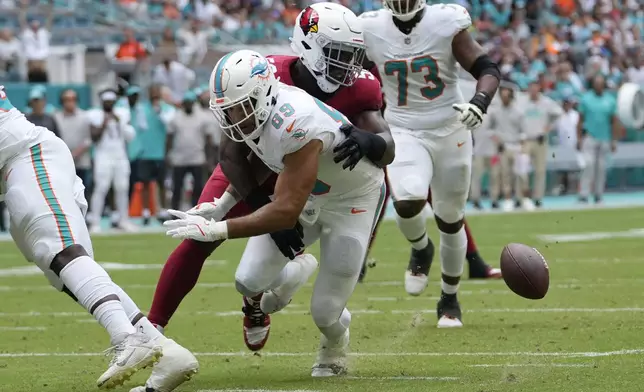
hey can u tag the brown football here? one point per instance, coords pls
(525, 271)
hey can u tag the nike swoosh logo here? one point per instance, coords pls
(459, 145)
(357, 211)
(124, 361)
(290, 127)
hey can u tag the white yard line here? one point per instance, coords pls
(22, 329)
(401, 378)
(236, 313)
(572, 354)
(515, 365)
(258, 390)
(591, 236)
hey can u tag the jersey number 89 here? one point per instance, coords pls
(400, 68)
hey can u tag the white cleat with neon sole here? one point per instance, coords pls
(137, 351)
(177, 366)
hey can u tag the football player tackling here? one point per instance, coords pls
(294, 134)
(47, 207)
(329, 68)
(417, 49)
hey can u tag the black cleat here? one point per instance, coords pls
(477, 205)
(495, 205)
(418, 269)
(448, 311)
(479, 269)
(369, 262)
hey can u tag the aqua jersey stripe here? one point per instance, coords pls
(381, 202)
(64, 231)
(219, 91)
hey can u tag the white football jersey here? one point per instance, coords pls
(419, 72)
(17, 134)
(296, 119)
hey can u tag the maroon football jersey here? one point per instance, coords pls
(364, 95)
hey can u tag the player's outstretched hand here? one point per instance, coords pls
(208, 210)
(470, 115)
(290, 242)
(192, 227)
(353, 148)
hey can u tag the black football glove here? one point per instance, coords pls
(289, 242)
(357, 145)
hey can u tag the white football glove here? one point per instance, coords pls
(216, 209)
(195, 227)
(470, 115)
(208, 210)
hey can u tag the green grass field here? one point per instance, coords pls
(586, 335)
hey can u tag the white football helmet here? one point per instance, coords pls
(404, 9)
(328, 38)
(243, 90)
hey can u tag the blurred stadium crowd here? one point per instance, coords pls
(551, 53)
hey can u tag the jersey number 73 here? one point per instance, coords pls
(401, 68)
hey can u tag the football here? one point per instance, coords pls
(525, 271)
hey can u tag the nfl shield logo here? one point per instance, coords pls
(407, 40)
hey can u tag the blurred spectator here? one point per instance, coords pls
(635, 72)
(567, 136)
(176, 76)
(597, 132)
(150, 119)
(189, 138)
(74, 127)
(168, 43)
(110, 132)
(485, 160)
(10, 48)
(35, 42)
(194, 42)
(38, 115)
(539, 116)
(128, 55)
(205, 10)
(505, 123)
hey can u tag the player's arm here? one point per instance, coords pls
(370, 137)
(471, 56)
(292, 190)
(233, 159)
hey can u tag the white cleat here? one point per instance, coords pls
(415, 284)
(95, 229)
(332, 359)
(449, 322)
(507, 205)
(134, 353)
(128, 226)
(276, 299)
(176, 366)
(527, 204)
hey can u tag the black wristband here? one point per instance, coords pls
(481, 100)
(257, 198)
(378, 148)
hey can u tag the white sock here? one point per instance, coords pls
(89, 282)
(143, 324)
(336, 331)
(453, 249)
(414, 229)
